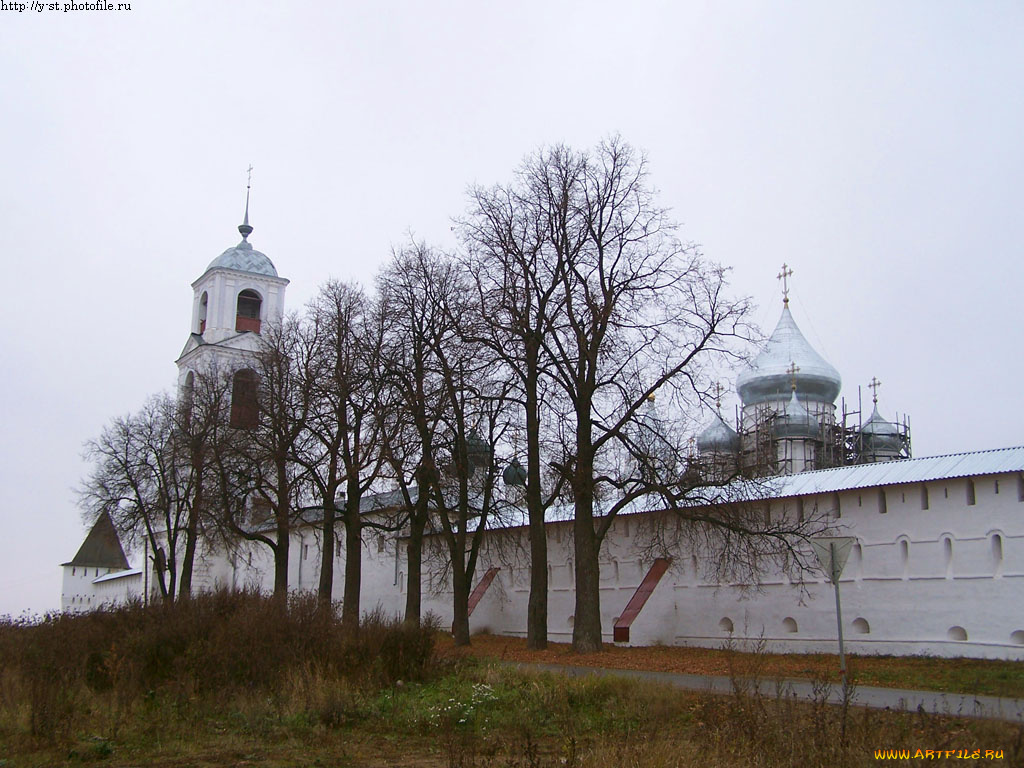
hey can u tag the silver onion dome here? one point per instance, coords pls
(718, 437)
(880, 434)
(514, 474)
(768, 378)
(795, 421)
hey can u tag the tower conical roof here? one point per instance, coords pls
(768, 378)
(101, 548)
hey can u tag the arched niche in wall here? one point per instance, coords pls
(861, 626)
(957, 633)
(726, 624)
(996, 552)
(789, 625)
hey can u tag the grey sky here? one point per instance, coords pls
(875, 147)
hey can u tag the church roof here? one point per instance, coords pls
(244, 258)
(101, 548)
(769, 378)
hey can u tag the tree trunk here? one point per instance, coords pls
(325, 592)
(281, 559)
(414, 561)
(586, 630)
(353, 562)
(460, 604)
(191, 542)
(537, 608)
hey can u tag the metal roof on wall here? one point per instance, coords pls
(991, 462)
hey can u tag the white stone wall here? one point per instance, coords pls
(904, 590)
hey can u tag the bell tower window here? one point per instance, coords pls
(244, 407)
(204, 304)
(248, 316)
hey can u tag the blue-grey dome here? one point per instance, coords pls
(718, 437)
(795, 421)
(768, 377)
(879, 434)
(244, 258)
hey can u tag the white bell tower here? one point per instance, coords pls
(235, 300)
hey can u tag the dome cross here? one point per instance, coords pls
(784, 276)
(793, 370)
(874, 385)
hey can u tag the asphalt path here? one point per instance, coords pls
(896, 699)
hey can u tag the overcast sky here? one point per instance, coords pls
(876, 147)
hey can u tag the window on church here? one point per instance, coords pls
(882, 506)
(244, 406)
(924, 496)
(1020, 486)
(248, 316)
(947, 554)
(971, 498)
(204, 304)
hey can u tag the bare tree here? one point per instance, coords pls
(414, 399)
(342, 456)
(579, 260)
(145, 481)
(519, 239)
(258, 479)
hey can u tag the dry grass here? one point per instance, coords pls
(244, 681)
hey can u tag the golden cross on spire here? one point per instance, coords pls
(784, 276)
(874, 385)
(793, 370)
(718, 395)
(248, 182)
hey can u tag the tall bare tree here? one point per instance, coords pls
(519, 239)
(343, 453)
(259, 479)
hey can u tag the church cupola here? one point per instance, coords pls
(788, 396)
(880, 439)
(768, 378)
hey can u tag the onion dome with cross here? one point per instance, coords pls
(768, 378)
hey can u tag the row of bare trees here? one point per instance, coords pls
(569, 305)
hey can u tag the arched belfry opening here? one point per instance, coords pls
(204, 305)
(244, 404)
(248, 314)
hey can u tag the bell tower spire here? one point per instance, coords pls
(244, 227)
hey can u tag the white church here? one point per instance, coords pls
(935, 566)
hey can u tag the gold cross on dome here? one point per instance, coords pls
(793, 370)
(248, 182)
(784, 276)
(718, 395)
(874, 385)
